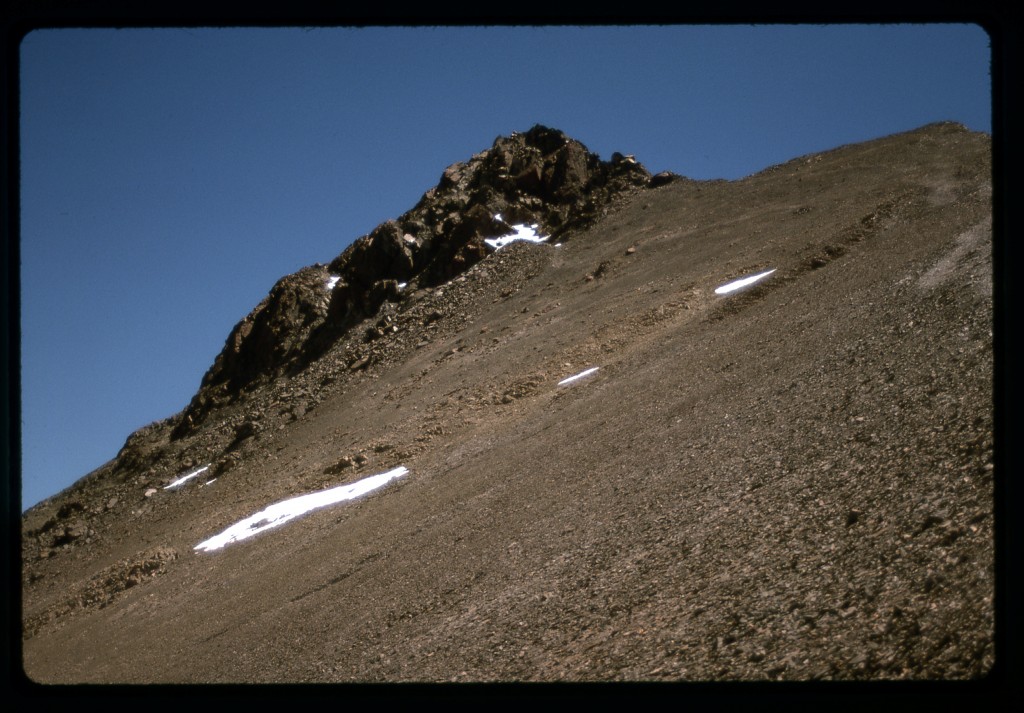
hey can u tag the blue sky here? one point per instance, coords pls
(169, 177)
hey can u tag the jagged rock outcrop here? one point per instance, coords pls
(541, 177)
(263, 343)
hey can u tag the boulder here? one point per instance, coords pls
(263, 344)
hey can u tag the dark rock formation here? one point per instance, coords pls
(273, 332)
(541, 177)
(262, 344)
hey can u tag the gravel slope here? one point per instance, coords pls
(794, 482)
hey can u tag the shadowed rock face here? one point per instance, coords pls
(540, 177)
(273, 333)
(793, 481)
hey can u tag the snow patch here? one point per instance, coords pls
(280, 513)
(582, 374)
(741, 283)
(523, 232)
(188, 476)
(333, 281)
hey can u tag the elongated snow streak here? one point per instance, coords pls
(741, 283)
(183, 478)
(591, 370)
(280, 513)
(333, 281)
(523, 232)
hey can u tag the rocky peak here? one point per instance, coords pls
(540, 177)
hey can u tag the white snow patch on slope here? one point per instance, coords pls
(741, 283)
(523, 232)
(582, 374)
(333, 281)
(280, 513)
(185, 477)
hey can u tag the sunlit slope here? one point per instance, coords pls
(789, 480)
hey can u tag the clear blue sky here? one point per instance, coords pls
(170, 177)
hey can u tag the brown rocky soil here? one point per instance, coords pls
(790, 483)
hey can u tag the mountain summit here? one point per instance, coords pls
(565, 420)
(540, 178)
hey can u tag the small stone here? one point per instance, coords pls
(630, 250)
(150, 492)
(660, 179)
